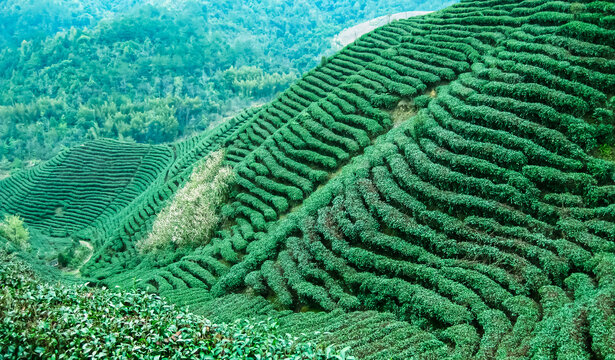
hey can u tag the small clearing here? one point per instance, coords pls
(404, 110)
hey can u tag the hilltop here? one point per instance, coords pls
(444, 187)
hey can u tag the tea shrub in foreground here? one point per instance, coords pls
(54, 321)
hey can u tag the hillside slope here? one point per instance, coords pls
(153, 71)
(441, 188)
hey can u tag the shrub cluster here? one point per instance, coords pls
(42, 320)
(13, 229)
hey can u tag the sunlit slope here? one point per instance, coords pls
(241, 136)
(514, 127)
(484, 222)
(442, 185)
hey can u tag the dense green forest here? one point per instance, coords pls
(154, 71)
(442, 188)
(36, 19)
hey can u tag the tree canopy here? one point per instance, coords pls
(72, 70)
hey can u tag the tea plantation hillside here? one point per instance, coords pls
(106, 191)
(444, 187)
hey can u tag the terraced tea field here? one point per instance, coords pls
(434, 190)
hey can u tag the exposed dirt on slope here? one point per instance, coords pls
(404, 110)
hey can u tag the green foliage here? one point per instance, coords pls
(13, 229)
(35, 19)
(607, 152)
(153, 72)
(192, 214)
(463, 217)
(74, 255)
(82, 170)
(483, 228)
(45, 320)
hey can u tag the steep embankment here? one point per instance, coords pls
(434, 188)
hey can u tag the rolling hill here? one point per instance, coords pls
(153, 71)
(444, 187)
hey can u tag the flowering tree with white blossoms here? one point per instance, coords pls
(193, 214)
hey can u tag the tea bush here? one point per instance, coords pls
(43, 320)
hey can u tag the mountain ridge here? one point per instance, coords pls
(349, 35)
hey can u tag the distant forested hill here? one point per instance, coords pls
(32, 19)
(153, 71)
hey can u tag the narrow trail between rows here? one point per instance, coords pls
(77, 272)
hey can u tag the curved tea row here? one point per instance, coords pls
(483, 222)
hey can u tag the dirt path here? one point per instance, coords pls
(77, 271)
(89, 246)
(349, 35)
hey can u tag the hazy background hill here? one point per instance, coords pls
(153, 71)
(33, 19)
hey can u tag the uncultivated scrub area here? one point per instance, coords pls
(13, 229)
(193, 213)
